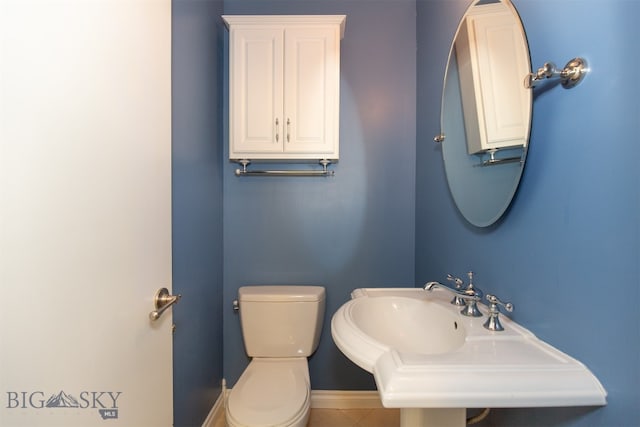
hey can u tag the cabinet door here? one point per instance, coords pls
(491, 55)
(311, 90)
(500, 59)
(255, 91)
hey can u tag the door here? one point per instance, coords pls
(85, 220)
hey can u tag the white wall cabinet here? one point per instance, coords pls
(492, 62)
(284, 86)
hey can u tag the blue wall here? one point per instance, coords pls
(348, 231)
(197, 208)
(567, 252)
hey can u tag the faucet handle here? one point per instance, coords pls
(458, 284)
(493, 322)
(456, 280)
(494, 302)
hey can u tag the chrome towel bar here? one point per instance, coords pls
(245, 172)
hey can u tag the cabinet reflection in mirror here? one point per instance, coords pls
(486, 111)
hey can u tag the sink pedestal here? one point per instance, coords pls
(433, 417)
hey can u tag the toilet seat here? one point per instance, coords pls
(271, 392)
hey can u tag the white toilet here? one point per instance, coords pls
(281, 327)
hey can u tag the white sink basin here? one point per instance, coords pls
(408, 325)
(424, 354)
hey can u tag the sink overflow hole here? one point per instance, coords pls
(455, 325)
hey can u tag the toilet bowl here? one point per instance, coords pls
(281, 327)
(269, 393)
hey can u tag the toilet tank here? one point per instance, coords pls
(281, 321)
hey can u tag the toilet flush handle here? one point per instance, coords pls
(236, 305)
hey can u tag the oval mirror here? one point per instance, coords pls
(486, 111)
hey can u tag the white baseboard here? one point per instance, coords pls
(216, 417)
(345, 399)
(320, 399)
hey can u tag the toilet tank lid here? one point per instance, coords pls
(284, 293)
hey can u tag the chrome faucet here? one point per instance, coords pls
(471, 295)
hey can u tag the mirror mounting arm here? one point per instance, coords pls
(572, 74)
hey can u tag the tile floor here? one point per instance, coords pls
(349, 418)
(372, 417)
(354, 418)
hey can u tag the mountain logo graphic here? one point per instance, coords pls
(62, 400)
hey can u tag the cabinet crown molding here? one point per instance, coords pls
(306, 20)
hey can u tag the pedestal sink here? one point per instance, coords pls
(433, 363)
